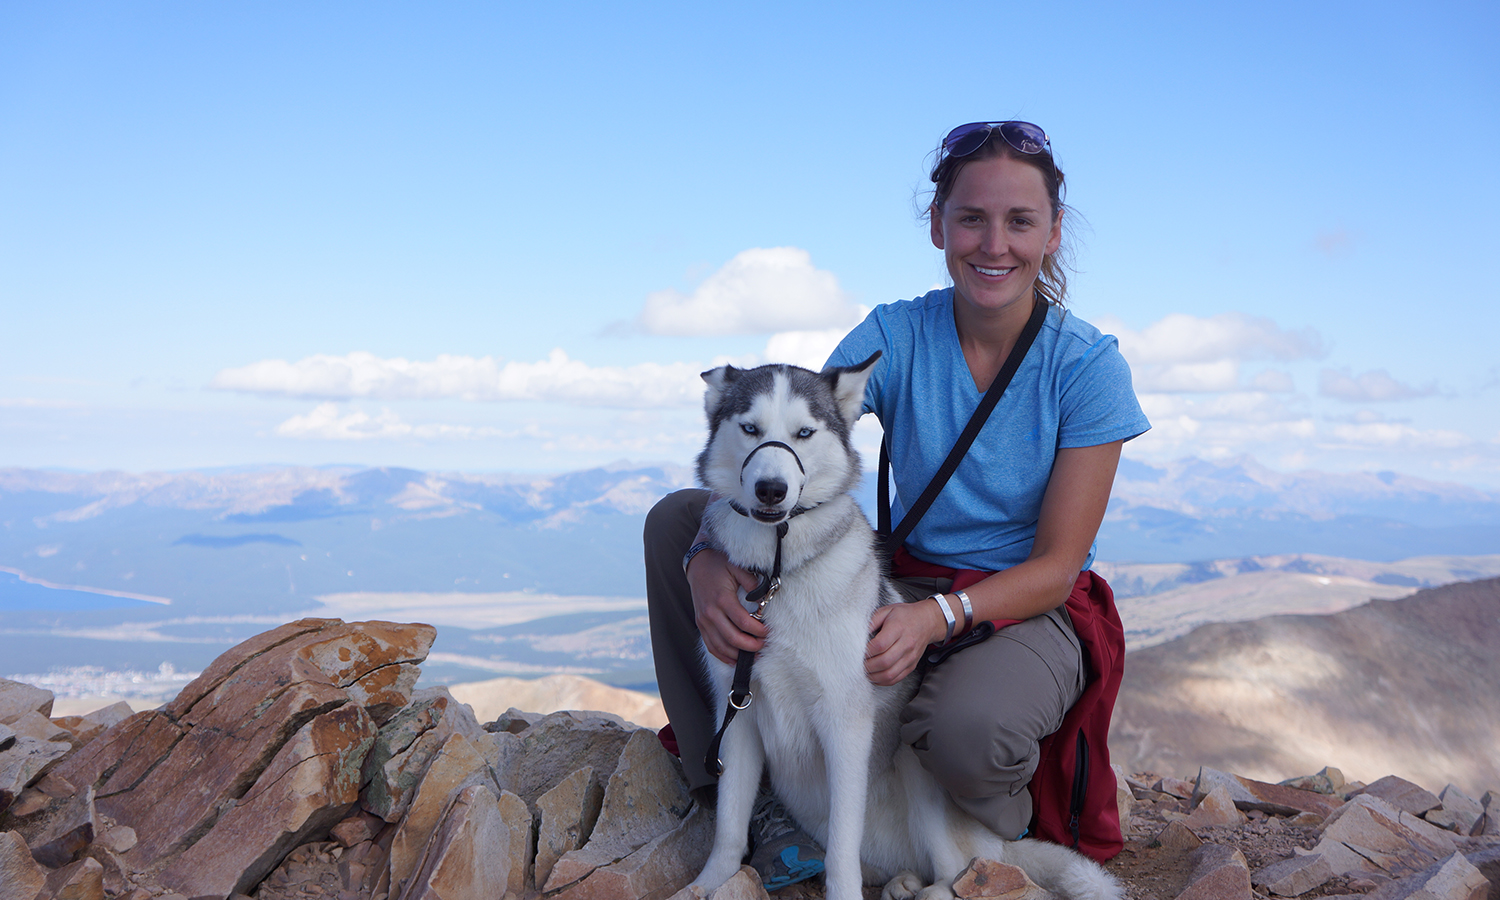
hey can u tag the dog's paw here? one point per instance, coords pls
(936, 892)
(903, 887)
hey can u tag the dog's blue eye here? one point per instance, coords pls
(805, 433)
(749, 428)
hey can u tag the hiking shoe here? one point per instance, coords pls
(780, 850)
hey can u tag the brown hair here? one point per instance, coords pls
(1052, 280)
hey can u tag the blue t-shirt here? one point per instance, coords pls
(1072, 390)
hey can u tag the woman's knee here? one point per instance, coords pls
(675, 514)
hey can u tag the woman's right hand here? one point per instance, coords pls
(726, 627)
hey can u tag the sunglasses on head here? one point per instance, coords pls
(1023, 137)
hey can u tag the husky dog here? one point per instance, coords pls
(779, 452)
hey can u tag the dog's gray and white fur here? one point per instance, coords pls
(829, 736)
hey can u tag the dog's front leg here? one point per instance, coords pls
(846, 746)
(744, 758)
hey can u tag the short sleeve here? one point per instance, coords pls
(1098, 402)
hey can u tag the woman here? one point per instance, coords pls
(1023, 506)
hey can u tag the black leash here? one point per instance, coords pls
(740, 695)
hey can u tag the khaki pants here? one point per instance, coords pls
(974, 722)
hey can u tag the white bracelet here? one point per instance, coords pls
(968, 611)
(947, 615)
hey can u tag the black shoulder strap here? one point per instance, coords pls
(914, 513)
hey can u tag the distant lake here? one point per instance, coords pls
(17, 595)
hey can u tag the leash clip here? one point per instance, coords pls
(745, 704)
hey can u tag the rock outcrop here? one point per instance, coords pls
(304, 765)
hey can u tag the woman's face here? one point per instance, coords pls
(994, 231)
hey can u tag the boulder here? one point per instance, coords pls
(34, 724)
(87, 727)
(661, 868)
(646, 796)
(1368, 835)
(311, 784)
(539, 758)
(985, 879)
(1327, 781)
(566, 817)
(81, 880)
(1219, 873)
(742, 885)
(478, 852)
(1454, 878)
(1215, 808)
(406, 746)
(61, 831)
(24, 761)
(1401, 794)
(171, 773)
(1278, 799)
(20, 876)
(459, 764)
(1178, 836)
(1294, 875)
(1124, 797)
(17, 699)
(1459, 812)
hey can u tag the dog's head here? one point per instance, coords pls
(779, 435)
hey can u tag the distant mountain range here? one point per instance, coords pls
(235, 550)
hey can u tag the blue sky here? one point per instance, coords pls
(504, 236)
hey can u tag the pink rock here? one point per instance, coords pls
(1215, 809)
(656, 871)
(1177, 836)
(20, 876)
(81, 880)
(1219, 873)
(310, 785)
(986, 879)
(478, 852)
(1402, 794)
(1452, 879)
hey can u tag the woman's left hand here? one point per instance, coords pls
(901, 632)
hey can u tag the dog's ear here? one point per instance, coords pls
(718, 381)
(848, 383)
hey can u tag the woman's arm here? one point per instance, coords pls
(1072, 509)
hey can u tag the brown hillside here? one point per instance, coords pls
(1410, 686)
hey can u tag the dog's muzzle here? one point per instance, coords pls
(770, 492)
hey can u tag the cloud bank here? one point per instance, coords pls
(1181, 353)
(557, 379)
(762, 290)
(1376, 386)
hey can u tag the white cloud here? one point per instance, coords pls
(1273, 381)
(1204, 377)
(760, 291)
(1191, 354)
(556, 379)
(1372, 387)
(326, 423)
(808, 349)
(1181, 338)
(1397, 436)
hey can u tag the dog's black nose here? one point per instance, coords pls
(769, 492)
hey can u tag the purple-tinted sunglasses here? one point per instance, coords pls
(1023, 137)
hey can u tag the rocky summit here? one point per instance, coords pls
(304, 765)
